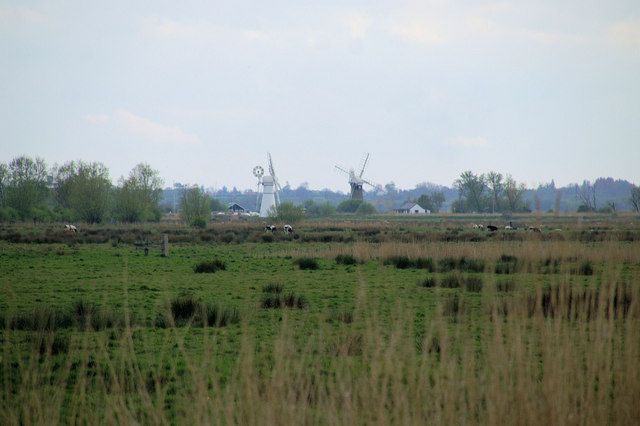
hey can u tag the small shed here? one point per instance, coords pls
(411, 208)
(236, 208)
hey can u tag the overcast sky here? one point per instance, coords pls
(201, 90)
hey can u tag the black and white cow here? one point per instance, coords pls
(288, 229)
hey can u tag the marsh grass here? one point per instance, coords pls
(451, 376)
(210, 266)
(307, 263)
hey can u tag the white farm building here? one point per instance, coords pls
(411, 208)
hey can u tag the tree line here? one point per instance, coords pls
(77, 191)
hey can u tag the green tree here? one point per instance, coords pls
(195, 206)
(313, 209)
(4, 182)
(26, 185)
(471, 188)
(217, 205)
(365, 209)
(85, 188)
(138, 196)
(289, 213)
(514, 193)
(349, 206)
(431, 202)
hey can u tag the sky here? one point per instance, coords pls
(202, 90)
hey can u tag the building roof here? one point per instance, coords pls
(408, 206)
(235, 206)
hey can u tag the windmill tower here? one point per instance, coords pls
(356, 181)
(270, 187)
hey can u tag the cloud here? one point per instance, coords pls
(20, 14)
(626, 33)
(144, 128)
(468, 142)
(199, 31)
(358, 25)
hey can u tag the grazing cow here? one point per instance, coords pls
(270, 228)
(288, 229)
(511, 226)
(492, 228)
(71, 228)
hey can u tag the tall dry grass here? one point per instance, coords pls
(514, 361)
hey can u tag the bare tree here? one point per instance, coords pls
(494, 182)
(635, 198)
(513, 194)
(586, 193)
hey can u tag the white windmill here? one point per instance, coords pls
(270, 187)
(356, 181)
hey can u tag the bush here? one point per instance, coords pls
(199, 223)
(213, 315)
(447, 264)
(473, 284)
(209, 267)
(470, 265)
(307, 263)
(428, 282)
(345, 259)
(185, 309)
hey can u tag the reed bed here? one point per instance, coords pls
(515, 365)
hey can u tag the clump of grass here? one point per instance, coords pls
(452, 306)
(404, 262)
(279, 300)
(214, 315)
(448, 264)
(341, 316)
(470, 265)
(346, 259)
(184, 308)
(309, 263)
(273, 288)
(210, 266)
(505, 286)
(473, 284)
(452, 280)
(550, 266)
(51, 343)
(506, 264)
(428, 282)
(81, 314)
(585, 268)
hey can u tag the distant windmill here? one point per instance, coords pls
(356, 181)
(270, 199)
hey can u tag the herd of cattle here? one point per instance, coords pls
(509, 227)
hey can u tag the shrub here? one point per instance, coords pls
(199, 222)
(209, 267)
(345, 259)
(272, 301)
(452, 280)
(292, 300)
(473, 284)
(424, 263)
(428, 282)
(307, 263)
(505, 286)
(273, 288)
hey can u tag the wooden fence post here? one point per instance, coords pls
(165, 245)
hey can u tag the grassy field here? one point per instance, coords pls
(346, 322)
